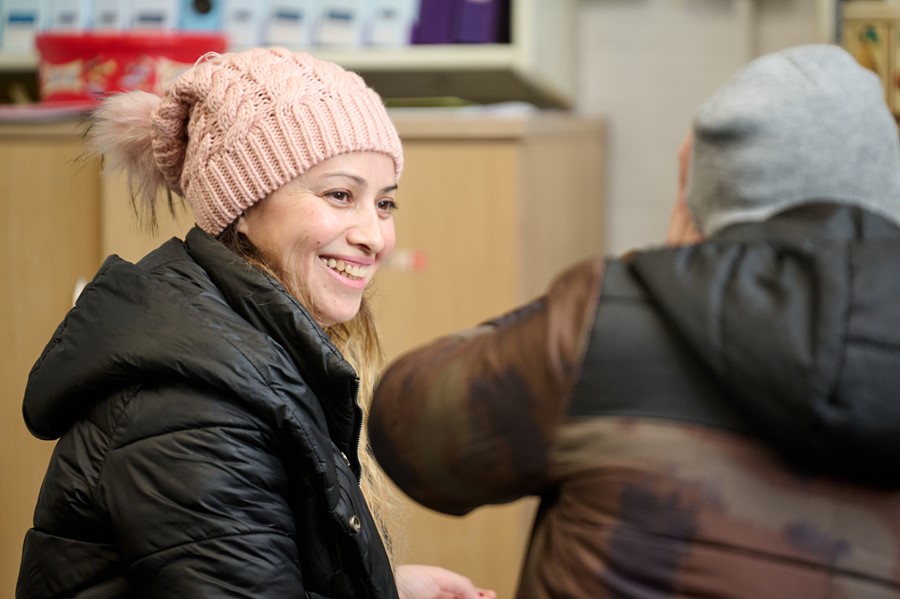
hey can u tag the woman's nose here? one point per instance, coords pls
(366, 230)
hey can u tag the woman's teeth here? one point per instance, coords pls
(350, 271)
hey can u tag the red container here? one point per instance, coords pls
(80, 67)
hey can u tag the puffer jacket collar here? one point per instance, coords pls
(264, 303)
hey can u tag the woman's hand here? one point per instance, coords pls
(682, 230)
(433, 582)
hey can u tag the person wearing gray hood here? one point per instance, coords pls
(713, 419)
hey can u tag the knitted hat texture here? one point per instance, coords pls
(804, 124)
(238, 126)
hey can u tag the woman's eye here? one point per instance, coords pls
(387, 206)
(340, 196)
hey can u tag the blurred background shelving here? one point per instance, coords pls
(537, 65)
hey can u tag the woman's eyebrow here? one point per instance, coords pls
(359, 180)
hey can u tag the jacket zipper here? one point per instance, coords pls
(358, 431)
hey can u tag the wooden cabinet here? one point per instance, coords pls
(490, 209)
(491, 206)
(49, 212)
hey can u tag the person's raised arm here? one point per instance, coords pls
(471, 419)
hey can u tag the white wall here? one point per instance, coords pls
(646, 65)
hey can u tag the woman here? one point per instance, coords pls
(207, 399)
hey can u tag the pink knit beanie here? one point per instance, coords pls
(238, 126)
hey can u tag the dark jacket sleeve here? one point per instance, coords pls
(470, 419)
(203, 511)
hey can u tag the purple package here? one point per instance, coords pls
(437, 22)
(482, 22)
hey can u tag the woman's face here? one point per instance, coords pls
(330, 229)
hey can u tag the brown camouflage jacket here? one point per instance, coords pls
(717, 421)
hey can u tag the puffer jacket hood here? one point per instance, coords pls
(799, 320)
(102, 343)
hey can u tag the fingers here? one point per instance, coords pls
(433, 582)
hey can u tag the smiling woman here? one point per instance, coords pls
(209, 399)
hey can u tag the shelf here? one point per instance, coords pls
(11, 62)
(477, 73)
(405, 58)
(538, 66)
(412, 58)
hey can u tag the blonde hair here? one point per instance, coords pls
(360, 344)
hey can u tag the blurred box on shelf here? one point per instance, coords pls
(111, 15)
(154, 15)
(21, 22)
(436, 22)
(86, 67)
(392, 22)
(344, 23)
(462, 22)
(871, 33)
(68, 15)
(293, 23)
(482, 22)
(244, 22)
(200, 15)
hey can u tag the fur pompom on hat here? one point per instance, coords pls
(801, 125)
(238, 126)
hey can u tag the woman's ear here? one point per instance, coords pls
(240, 225)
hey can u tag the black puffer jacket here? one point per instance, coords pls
(208, 441)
